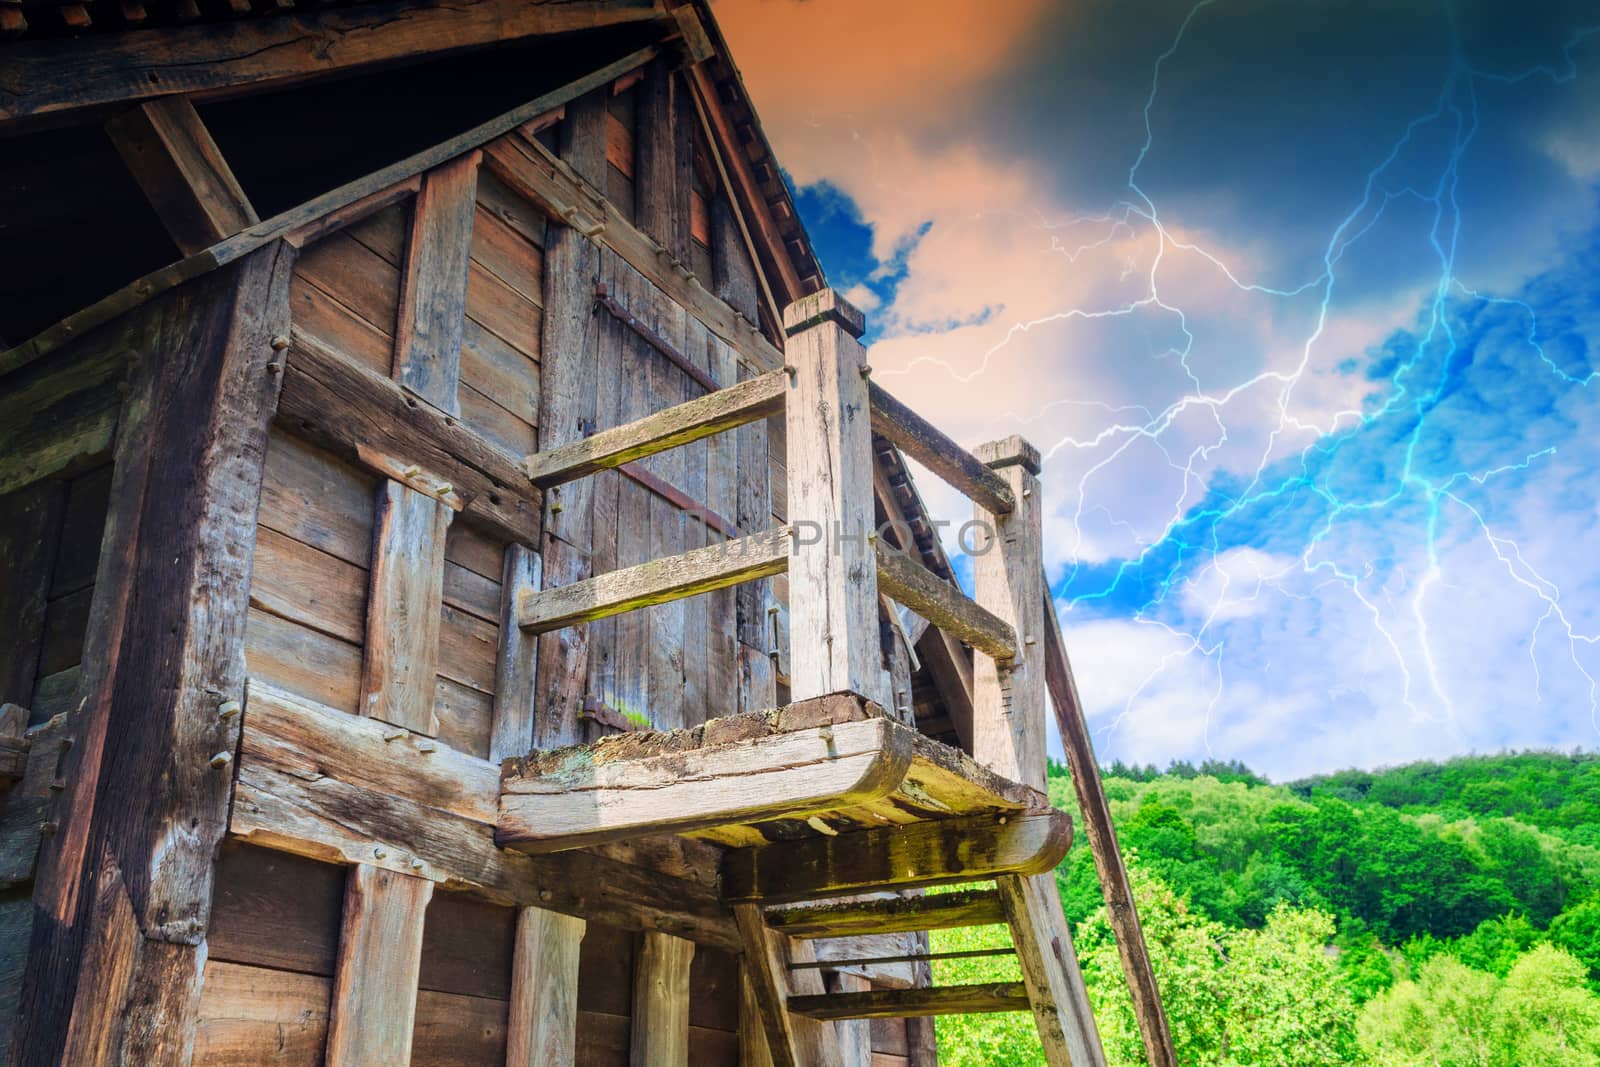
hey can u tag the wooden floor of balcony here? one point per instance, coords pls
(833, 780)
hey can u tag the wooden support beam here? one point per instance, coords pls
(855, 1035)
(345, 789)
(934, 449)
(752, 203)
(887, 915)
(664, 154)
(794, 774)
(369, 420)
(1008, 696)
(30, 524)
(752, 1035)
(123, 893)
(517, 665)
(380, 956)
(657, 582)
(916, 854)
(405, 591)
(182, 172)
(908, 582)
(1102, 836)
(433, 291)
(704, 417)
(904, 1003)
(543, 1014)
(53, 76)
(1050, 971)
(791, 1041)
(833, 577)
(660, 1024)
(14, 744)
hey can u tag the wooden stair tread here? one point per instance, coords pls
(907, 1003)
(893, 915)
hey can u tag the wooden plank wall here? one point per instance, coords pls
(274, 945)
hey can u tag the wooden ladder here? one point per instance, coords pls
(798, 1013)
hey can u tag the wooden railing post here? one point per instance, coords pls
(1008, 695)
(833, 571)
(1008, 735)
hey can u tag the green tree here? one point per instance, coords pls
(1577, 930)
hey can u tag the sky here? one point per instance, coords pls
(1301, 301)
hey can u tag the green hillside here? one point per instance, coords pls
(1442, 914)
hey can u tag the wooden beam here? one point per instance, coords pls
(833, 577)
(14, 745)
(345, 789)
(433, 291)
(916, 854)
(752, 203)
(1008, 696)
(369, 420)
(931, 447)
(752, 1034)
(30, 524)
(182, 172)
(543, 1013)
(908, 582)
(370, 192)
(657, 582)
(791, 1041)
(1055, 986)
(123, 893)
(530, 169)
(904, 1003)
(855, 1035)
(1102, 836)
(517, 665)
(660, 1022)
(405, 591)
(57, 418)
(704, 417)
(664, 151)
(795, 774)
(888, 915)
(54, 76)
(380, 956)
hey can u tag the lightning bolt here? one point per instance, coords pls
(1190, 542)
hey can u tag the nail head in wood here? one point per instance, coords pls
(222, 759)
(279, 343)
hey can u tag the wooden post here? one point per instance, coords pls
(833, 572)
(122, 899)
(405, 592)
(542, 1031)
(1008, 698)
(172, 156)
(752, 1034)
(398, 673)
(380, 956)
(661, 1002)
(517, 668)
(855, 1035)
(792, 1041)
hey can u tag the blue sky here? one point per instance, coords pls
(1301, 302)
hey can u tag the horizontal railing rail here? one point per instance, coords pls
(931, 447)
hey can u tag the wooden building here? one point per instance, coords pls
(441, 614)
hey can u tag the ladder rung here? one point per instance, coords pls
(905, 1003)
(891, 915)
(918, 957)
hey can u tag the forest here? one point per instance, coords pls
(1439, 914)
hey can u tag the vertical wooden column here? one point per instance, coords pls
(380, 955)
(833, 571)
(30, 521)
(406, 587)
(1008, 734)
(517, 667)
(542, 1031)
(855, 1035)
(661, 1002)
(122, 899)
(567, 405)
(792, 1041)
(1008, 701)
(752, 1033)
